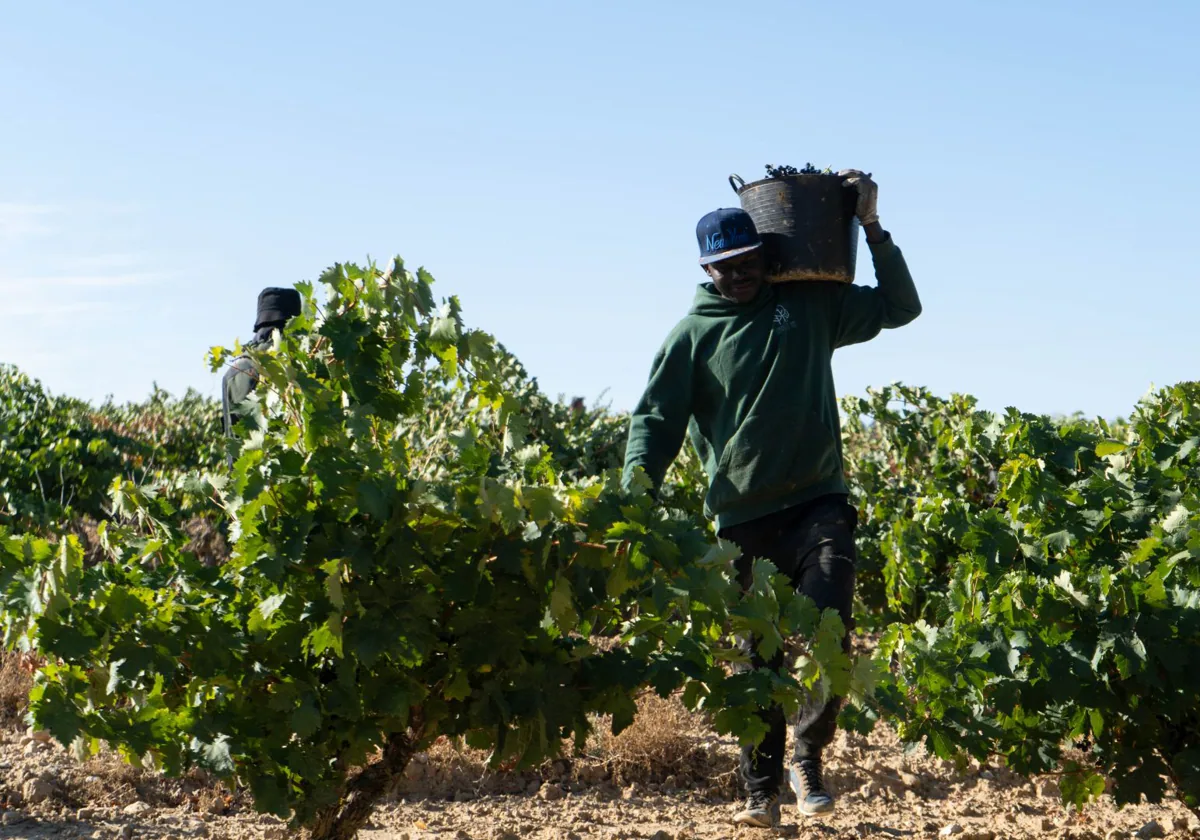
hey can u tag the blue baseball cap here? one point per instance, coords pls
(726, 233)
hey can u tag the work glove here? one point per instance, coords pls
(868, 194)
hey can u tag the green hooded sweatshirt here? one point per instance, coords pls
(752, 385)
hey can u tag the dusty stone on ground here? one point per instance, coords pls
(37, 790)
(1048, 789)
(550, 793)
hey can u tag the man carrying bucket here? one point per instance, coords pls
(747, 375)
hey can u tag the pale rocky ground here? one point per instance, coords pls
(666, 779)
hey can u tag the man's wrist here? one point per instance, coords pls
(875, 232)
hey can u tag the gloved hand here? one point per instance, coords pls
(868, 194)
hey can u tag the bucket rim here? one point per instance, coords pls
(799, 176)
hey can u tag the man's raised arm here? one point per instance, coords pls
(863, 311)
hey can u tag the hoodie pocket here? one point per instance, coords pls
(771, 456)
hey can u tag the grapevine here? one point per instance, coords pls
(422, 545)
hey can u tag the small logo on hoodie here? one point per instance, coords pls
(783, 318)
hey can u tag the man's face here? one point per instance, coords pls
(738, 278)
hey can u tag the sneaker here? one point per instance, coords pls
(804, 778)
(761, 811)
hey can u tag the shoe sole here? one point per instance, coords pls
(768, 820)
(815, 811)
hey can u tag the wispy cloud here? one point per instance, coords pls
(57, 281)
(102, 262)
(80, 281)
(20, 221)
(60, 292)
(43, 310)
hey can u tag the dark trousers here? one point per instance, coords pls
(813, 545)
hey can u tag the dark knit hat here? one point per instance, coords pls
(276, 306)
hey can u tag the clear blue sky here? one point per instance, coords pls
(162, 162)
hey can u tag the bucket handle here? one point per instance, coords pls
(739, 186)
